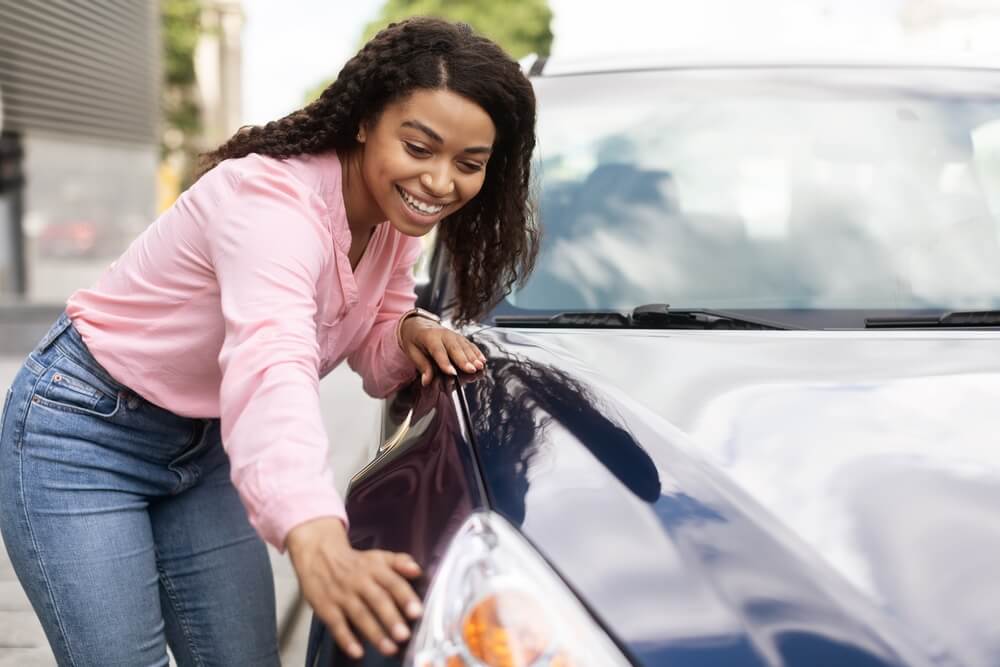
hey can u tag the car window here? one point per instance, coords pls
(788, 188)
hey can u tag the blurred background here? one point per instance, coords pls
(104, 107)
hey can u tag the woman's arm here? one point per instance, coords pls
(269, 248)
(384, 361)
(379, 361)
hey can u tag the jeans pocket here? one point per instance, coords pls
(71, 391)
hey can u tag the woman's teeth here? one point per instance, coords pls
(417, 205)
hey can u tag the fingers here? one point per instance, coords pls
(375, 609)
(439, 353)
(404, 564)
(445, 349)
(422, 363)
(341, 632)
(385, 609)
(458, 354)
(362, 618)
(371, 605)
(476, 353)
(356, 593)
(400, 589)
(453, 349)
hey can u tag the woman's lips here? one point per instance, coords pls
(420, 210)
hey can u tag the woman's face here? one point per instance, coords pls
(425, 157)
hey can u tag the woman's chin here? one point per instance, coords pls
(410, 228)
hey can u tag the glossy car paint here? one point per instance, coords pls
(745, 498)
(725, 498)
(412, 498)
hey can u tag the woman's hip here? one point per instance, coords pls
(63, 403)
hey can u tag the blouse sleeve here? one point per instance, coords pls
(269, 248)
(380, 362)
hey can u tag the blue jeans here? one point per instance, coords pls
(122, 524)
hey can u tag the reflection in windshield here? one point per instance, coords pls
(771, 189)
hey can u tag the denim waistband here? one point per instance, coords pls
(63, 338)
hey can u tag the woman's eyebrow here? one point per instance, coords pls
(434, 136)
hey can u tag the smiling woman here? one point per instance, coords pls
(193, 433)
(420, 176)
(492, 239)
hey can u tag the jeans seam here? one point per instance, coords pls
(23, 417)
(59, 405)
(187, 470)
(75, 409)
(91, 364)
(5, 412)
(63, 635)
(174, 601)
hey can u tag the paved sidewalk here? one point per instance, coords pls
(353, 433)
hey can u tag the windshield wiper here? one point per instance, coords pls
(649, 316)
(959, 318)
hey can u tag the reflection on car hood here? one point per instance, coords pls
(745, 498)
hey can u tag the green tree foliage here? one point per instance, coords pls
(180, 24)
(521, 27)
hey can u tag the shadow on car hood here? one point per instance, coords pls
(746, 498)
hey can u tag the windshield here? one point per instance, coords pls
(774, 190)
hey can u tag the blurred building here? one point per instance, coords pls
(952, 25)
(219, 68)
(217, 92)
(80, 90)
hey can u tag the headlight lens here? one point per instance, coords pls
(495, 603)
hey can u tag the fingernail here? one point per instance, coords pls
(387, 646)
(355, 650)
(400, 632)
(451, 369)
(414, 609)
(471, 367)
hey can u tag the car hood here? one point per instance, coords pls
(745, 498)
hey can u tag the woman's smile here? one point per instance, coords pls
(425, 212)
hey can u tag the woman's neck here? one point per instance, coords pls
(363, 214)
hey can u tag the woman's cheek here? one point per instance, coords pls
(474, 188)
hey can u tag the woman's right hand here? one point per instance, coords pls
(346, 587)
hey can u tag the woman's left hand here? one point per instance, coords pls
(427, 343)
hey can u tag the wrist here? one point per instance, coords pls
(415, 312)
(315, 531)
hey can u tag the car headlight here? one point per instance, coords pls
(495, 603)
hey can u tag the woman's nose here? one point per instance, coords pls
(437, 184)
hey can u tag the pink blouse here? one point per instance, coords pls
(236, 301)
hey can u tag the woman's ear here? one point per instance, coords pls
(362, 133)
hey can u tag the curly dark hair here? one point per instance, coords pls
(492, 240)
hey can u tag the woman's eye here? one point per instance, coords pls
(414, 149)
(470, 167)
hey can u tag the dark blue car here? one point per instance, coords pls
(745, 412)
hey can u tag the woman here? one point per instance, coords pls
(170, 419)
